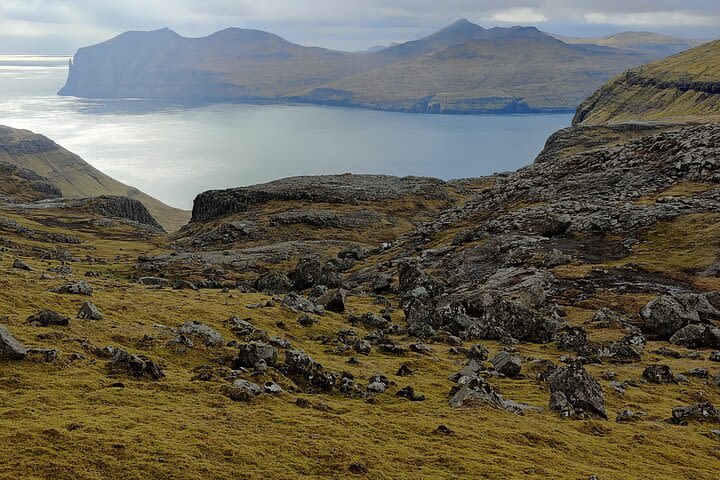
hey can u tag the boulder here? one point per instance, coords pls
(210, 337)
(47, 318)
(333, 300)
(665, 315)
(571, 338)
(409, 393)
(307, 272)
(627, 416)
(298, 303)
(250, 354)
(700, 412)
(478, 352)
(243, 390)
(507, 363)
(697, 335)
(20, 265)
(88, 311)
(658, 374)
(138, 366)
(10, 348)
(273, 283)
(154, 281)
(580, 389)
(306, 372)
(477, 391)
(74, 288)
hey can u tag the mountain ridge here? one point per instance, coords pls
(251, 65)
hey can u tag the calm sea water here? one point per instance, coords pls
(175, 152)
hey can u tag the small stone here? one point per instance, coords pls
(409, 393)
(20, 265)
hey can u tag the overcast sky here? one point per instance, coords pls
(62, 26)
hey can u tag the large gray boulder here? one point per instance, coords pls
(196, 329)
(10, 348)
(250, 354)
(665, 315)
(697, 335)
(582, 392)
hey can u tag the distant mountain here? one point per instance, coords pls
(230, 64)
(43, 169)
(517, 69)
(459, 32)
(378, 48)
(681, 88)
(649, 43)
(462, 68)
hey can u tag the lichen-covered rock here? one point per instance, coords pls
(333, 300)
(250, 354)
(123, 362)
(89, 311)
(47, 318)
(580, 389)
(306, 372)
(209, 336)
(665, 315)
(697, 335)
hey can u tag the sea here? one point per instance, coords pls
(173, 152)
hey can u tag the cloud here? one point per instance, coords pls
(519, 16)
(344, 24)
(652, 19)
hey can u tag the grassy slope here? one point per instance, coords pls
(77, 178)
(619, 101)
(64, 420)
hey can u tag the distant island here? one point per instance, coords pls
(461, 69)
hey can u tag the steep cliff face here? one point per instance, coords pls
(345, 189)
(230, 64)
(681, 88)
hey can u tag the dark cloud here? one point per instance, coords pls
(64, 25)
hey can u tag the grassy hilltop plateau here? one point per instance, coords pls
(561, 321)
(462, 68)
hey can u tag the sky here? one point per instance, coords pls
(63, 26)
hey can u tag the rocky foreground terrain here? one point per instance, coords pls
(561, 321)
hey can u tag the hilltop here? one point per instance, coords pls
(654, 44)
(463, 68)
(684, 87)
(65, 174)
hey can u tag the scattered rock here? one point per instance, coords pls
(10, 348)
(47, 318)
(409, 393)
(700, 412)
(74, 288)
(123, 362)
(210, 337)
(88, 311)
(627, 416)
(20, 265)
(658, 374)
(581, 391)
(250, 354)
(508, 364)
